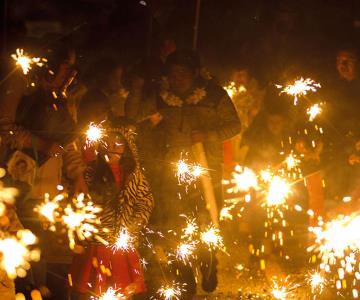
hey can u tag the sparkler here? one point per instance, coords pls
(16, 255)
(111, 294)
(300, 87)
(278, 192)
(212, 238)
(95, 133)
(81, 221)
(337, 244)
(25, 62)
(292, 162)
(317, 282)
(191, 228)
(313, 111)
(171, 292)
(185, 251)
(125, 241)
(233, 90)
(188, 173)
(282, 289)
(244, 179)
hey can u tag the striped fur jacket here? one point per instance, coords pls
(127, 207)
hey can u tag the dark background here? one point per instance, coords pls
(264, 34)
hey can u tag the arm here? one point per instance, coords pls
(137, 204)
(229, 122)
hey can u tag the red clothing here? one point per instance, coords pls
(99, 268)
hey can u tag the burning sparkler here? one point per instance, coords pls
(313, 111)
(185, 251)
(25, 62)
(299, 87)
(188, 173)
(282, 289)
(233, 90)
(292, 162)
(317, 282)
(171, 292)
(82, 220)
(16, 255)
(111, 294)
(95, 133)
(244, 179)
(279, 189)
(337, 244)
(191, 229)
(212, 238)
(124, 242)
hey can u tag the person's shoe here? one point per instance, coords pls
(209, 273)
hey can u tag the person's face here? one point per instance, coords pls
(275, 124)
(241, 77)
(115, 148)
(181, 79)
(346, 64)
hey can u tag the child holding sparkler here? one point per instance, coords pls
(116, 182)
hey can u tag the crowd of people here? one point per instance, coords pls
(157, 111)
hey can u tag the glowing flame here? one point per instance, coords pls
(314, 111)
(16, 255)
(95, 133)
(188, 173)
(125, 241)
(171, 292)
(111, 294)
(317, 282)
(299, 87)
(81, 220)
(185, 251)
(244, 179)
(233, 90)
(191, 228)
(25, 62)
(212, 238)
(278, 191)
(291, 161)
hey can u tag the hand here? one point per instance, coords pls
(155, 119)
(55, 150)
(80, 185)
(198, 136)
(354, 159)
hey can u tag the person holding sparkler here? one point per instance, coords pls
(116, 182)
(190, 110)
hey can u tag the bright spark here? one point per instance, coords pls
(278, 192)
(124, 242)
(81, 220)
(299, 87)
(191, 228)
(188, 173)
(317, 282)
(25, 62)
(314, 111)
(244, 179)
(185, 251)
(95, 133)
(212, 238)
(15, 255)
(291, 161)
(234, 90)
(171, 292)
